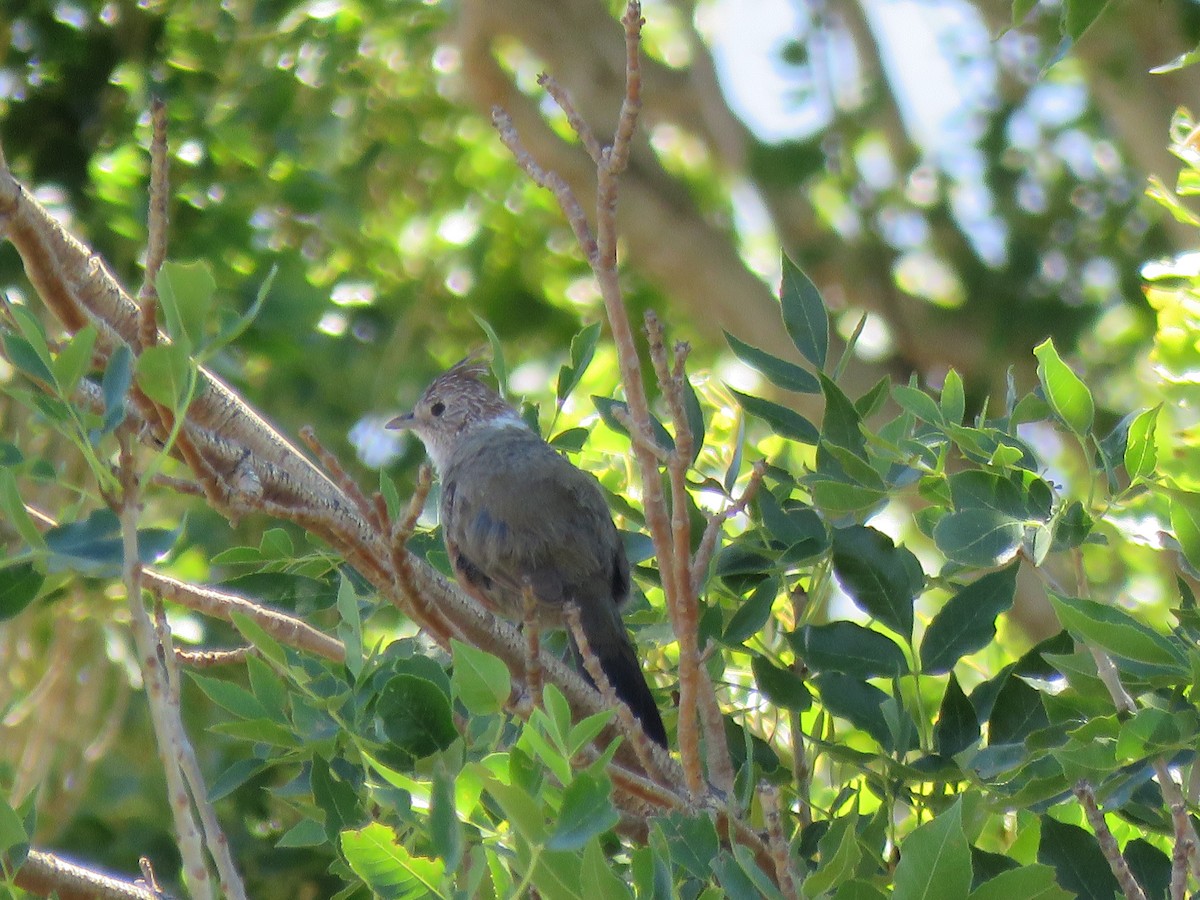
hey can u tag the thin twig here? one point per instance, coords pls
(46, 874)
(712, 531)
(211, 659)
(1108, 843)
(785, 877)
(1181, 851)
(168, 726)
(156, 225)
(628, 722)
(581, 128)
(340, 476)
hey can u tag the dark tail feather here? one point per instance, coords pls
(610, 643)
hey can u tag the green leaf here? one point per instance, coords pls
(849, 648)
(164, 373)
(691, 841)
(953, 402)
(1078, 862)
(583, 348)
(480, 681)
(881, 578)
(74, 360)
(779, 372)
(804, 314)
(861, 704)
(114, 386)
(968, 620)
(917, 402)
(1078, 16)
(1116, 631)
(784, 422)
(1021, 9)
(935, 860)
(1185, 522)
(1141, 452)
(234, 329)
(839, 853)
(388, 869)
(979, 538)
(599, 875)
(230, 697)
(781, 687)
(607, 408)
(1068, 396)
(957, 726)
(416, 715)
(587, 810)
(498, 367)
(94, 546)
(13, 835)
(445, 829)
(234, 777)
(1028, 882)
(186, 291)
(752, 615)
(15, 512)
(19, 586)
(842, 425)
(695, 418)
(572, 440)
(22, 355)
(258, 636)
(349, 629)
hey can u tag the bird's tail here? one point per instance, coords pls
(609, 642)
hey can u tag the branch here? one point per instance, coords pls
(45, 874)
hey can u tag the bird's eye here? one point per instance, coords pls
(437, 409)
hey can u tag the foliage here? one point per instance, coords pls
(912, 741)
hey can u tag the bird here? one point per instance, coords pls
(518, 516)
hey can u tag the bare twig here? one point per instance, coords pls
(785, 877)
(211, 659)
(168, 726)
(712, 531)
(1108, 843)
(45, 874)
(630, 726)
(340, 476)
(1181, 851)
(586, 136)
(156, 225)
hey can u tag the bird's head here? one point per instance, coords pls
(455, 405)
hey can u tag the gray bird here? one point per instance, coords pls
(515, 513)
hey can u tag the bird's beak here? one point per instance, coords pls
(404, 421)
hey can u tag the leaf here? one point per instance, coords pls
(979, 538)
(186, 293)
(1068, 396)
(917, 402)
(784, 422)
(1141, 452)
(1028, 882)
(804, 314)
(19, 586)
(849, 648)
(13, 835)
(1116, 631)
(842, 425)
(779, 372)
(587, 810)
(232, 698)
(388, 869)
(572, 440)
(881, 578)
(1078, 16)
(935, 860)
(498, 367)
(15, 512)
(583, 348)
(968, 620)
(1185, 522)
(234, 329)
(607, 408)
(861, 704)
(349, 627)
(22, 355)
(114, 386)
(695, 418)
(781, 687)
(691, 841)
(480, 681)
(94, 546)
(957, 726)
(74, 360)
(839, 853)
(752, 615)
(953, 402)
(164, 373)
(416, 715)
(445, 830)
(1078, 862)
